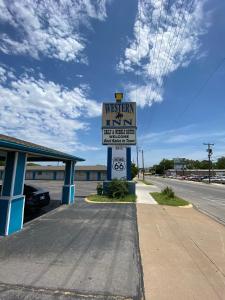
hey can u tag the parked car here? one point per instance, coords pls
(35, 198)
(194, 178)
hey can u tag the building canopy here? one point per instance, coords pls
(35, 152)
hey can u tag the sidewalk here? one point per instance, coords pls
(142, 192)
(182, 252)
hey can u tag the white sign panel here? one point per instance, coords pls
(119, 163)
(126, 136)
(179, 164)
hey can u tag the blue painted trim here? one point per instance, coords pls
(109, 163)
(99, 176)
(19, 180)
(72, 194)
(33, 175)
(68, 194)
(87, 175)
(3, 215)
(128, 163)
(54, 175)
(68, 173)
(73, 172)
(16, 215)
(8, 178)
(11, 215)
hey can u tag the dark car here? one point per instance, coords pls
(35, 198)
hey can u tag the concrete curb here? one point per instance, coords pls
(209, 215)
(99, 202)
(186, 206)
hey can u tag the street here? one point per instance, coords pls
(208, 198)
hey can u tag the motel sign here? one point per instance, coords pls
(119, 123)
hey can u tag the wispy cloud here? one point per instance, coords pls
(185, 142)
(188, 134)
(45, 112)
(48, 27)
(166, 37)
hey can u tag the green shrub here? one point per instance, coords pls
(168, 192)
(134, 170)
(117, 189)
(99, 189)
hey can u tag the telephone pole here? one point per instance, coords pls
(210, 152)
(137, 160)
(143, 164)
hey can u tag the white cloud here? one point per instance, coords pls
(45, 112)
(48, 27)
(165, 38)
(3, 76)
(188, 134)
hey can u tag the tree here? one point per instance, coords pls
(204, 164)
(134, 170)
(164, 165)
(221, 163)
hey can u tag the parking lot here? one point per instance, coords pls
(83, 188)
(82, 251)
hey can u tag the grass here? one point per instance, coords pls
(162, 199)
(103, 198)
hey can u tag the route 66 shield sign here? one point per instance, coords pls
(119, 162)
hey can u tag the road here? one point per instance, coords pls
(208, 198)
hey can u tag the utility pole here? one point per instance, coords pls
(210, 152)
(137, 160)
(143, 164)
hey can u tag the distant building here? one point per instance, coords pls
(82, 173)
(200, 172)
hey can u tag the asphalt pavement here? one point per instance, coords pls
(207, 198)
(82, 251)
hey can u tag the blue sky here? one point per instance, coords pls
(59, 60)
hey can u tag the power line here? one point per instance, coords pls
(178, 34)
(167, 13)
(193, 99)
(174, 33)
(154, 44)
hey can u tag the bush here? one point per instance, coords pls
(168, 192)
(134, 170)
(117, 189)
(99, 189)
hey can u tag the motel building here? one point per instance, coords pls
(82, 173)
